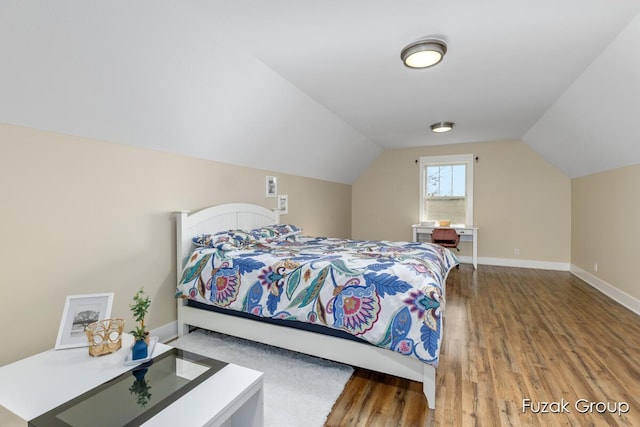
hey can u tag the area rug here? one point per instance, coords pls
(299, 390)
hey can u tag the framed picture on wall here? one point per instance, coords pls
(272, 186)
(79, 312)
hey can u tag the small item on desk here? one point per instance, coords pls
(140, 350)
(140, 308)
(444, 223)
(129, 360)
(105, 336)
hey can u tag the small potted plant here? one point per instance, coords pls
(139, 309)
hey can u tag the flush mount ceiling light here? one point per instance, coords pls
(442, 127)
(423, 53)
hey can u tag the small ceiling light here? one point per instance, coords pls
(423, 53)
(442, 127)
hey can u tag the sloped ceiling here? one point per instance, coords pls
(316, 88)
(591, 127)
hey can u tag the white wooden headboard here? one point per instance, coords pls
(230, 216)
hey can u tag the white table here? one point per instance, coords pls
(35, 385)
(466, 233)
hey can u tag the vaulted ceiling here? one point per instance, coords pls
(317, 88)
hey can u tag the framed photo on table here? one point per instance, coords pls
(79, 312)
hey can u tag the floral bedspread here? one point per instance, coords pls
(387, 293)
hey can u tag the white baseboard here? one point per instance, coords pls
(609, 290)
(522, 263)
(166, 333)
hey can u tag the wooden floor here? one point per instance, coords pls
(512, 334)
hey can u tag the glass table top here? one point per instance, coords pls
(137, 395)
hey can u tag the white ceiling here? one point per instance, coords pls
(316, 88)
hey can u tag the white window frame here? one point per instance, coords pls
(467, 159)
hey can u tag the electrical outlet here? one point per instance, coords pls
(595, 266)
(516, 251)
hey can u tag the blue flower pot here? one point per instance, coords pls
(140, 350)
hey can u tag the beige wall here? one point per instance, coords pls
(520, 200)
(605, 210)
(81, 216)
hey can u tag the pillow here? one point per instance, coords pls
(203, 240)
(263, 234)
(274, 233)
(225, 240)
(287, 230)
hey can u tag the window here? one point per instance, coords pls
(446, 188)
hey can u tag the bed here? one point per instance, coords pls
(252, 279)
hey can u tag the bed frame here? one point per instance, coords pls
(248, 216)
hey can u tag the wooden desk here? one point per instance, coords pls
(466, 233)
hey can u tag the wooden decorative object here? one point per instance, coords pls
(105, 336)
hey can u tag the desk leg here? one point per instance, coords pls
(474, 254)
